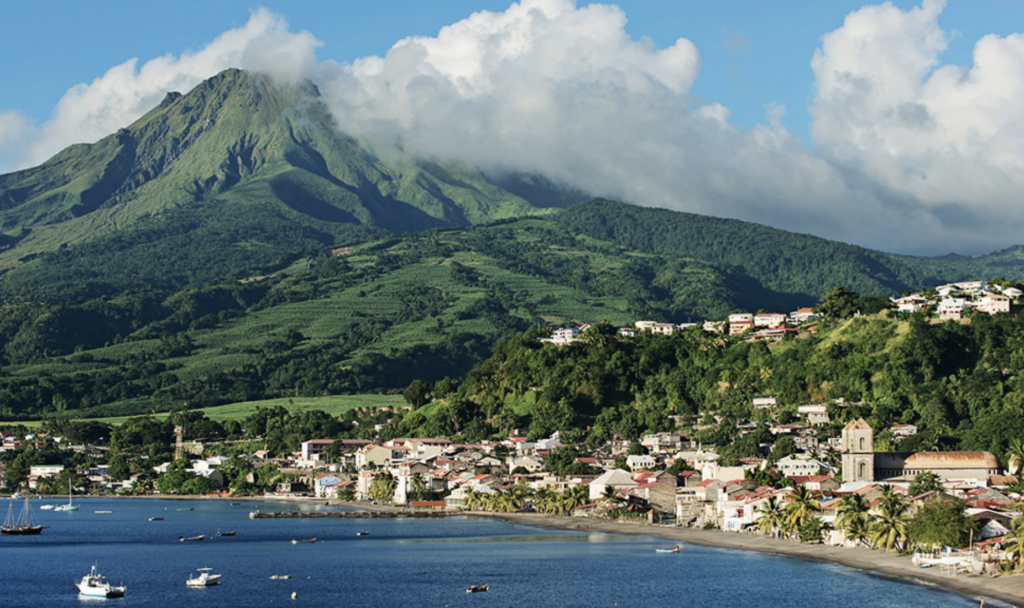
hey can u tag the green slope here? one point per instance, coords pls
(236, 172)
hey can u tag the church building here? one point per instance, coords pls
(862, 463)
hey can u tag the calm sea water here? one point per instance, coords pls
(405, 562)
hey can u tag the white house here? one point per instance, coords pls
(770, 319)
(566, 335)
(616, 478)
(800, 465)
(640, 461)
(993, 304)
(952, 308)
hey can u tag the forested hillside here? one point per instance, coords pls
(962, 384)
(369, 317)
(792, 266)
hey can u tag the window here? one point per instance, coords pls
(861, 444)
(863, 469)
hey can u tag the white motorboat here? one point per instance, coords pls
(95, 584)
(46, 507)
(205, 578)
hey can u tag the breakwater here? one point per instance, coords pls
(347, 514)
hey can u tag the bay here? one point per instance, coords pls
(422, 562)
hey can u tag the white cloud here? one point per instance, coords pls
(910, 154)
(947, 138)
(88, 112)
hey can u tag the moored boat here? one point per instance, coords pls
(477, 588)
(205, 578)
(156, 519)
(303, 541)
(362, 533)
(21, 526)
(672, 550)
(229, 533)
(71, 506)
(95, 585)
(185, 539)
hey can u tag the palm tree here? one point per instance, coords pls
(802, 508)
(889, 529)
(471, 499)
(611, 495)
(771, 516)
(1016, 550)
(858, 531)
(1015, 456)
(383, 487)
(853, 514)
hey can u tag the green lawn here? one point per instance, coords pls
(334, 405)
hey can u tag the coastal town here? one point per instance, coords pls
(824, 478)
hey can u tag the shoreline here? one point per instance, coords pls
(1008, 589)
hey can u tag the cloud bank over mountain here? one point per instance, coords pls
(908, 154)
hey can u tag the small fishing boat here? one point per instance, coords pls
(280, 577)
(186, 509)
(156, 519)
(205, 578)
(46, 507)
(231, 533)
(303, 541)
(21, 526)
(95, 585)
(362, 533)
(70, 506)
(102, 511)
(476, 588)
(185, 539)
(672, 550)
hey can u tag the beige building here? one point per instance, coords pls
(862, 463)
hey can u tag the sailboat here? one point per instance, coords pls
(70, 506)
(23, 526)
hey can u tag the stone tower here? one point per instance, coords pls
(858, 451)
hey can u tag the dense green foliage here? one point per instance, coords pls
(791, 267)
(961, 384)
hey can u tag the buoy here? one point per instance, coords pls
(295, 595)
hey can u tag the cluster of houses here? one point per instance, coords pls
(949, 302)
(760, 326)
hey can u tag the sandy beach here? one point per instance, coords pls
(1009, 589)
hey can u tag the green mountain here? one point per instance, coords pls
(789, 268)
(227, 177)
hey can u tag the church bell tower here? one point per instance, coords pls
(858, 451)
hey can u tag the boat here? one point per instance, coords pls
(362, 533)
(303, 541)
(185, 539)
(672, 550)
(21, 526)
(476, 588)
(186, 509)
(231, 533)
(280, 577)
(156, 519)
(46, 507)
(70, 506)
(95, 585)
(205, 578)
(102, 511)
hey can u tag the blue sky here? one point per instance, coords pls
(807, 168)
(753, 52)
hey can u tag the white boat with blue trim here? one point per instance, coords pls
(95, 584)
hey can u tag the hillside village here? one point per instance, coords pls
(665, 477)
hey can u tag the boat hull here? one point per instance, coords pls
(22, 530)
